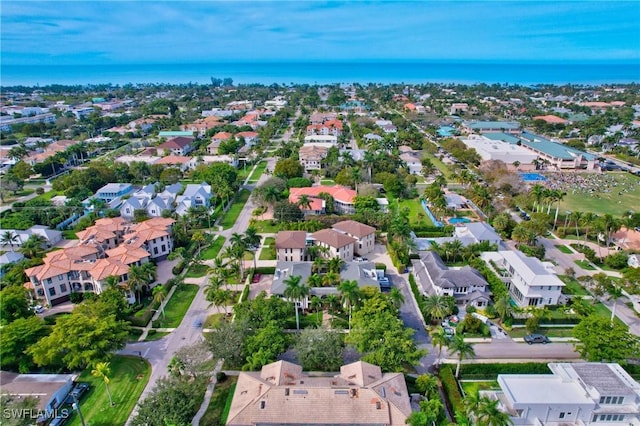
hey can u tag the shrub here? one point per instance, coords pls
(135, 331)
(471, 309)
(491, 371)
(151, 331)
(156, 323)
(382, 266)
(76, 298)
(265, 270)
(221, 376)
(451, 389)
(178, 268)
(39, 190)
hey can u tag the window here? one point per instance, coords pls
(60, 277)
(49, 281)
(52, 291)
(561, 415)
(155, 250)
(63, 288)
(164, 248)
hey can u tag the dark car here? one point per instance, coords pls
(256, 278)
(536, 338)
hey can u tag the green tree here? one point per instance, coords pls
(13, 304)
(10, 238)
(159, 293)
(319, 349)
(602, 340)
(269, 341)
(463, 349)
(16, 338)
(33, 247)
(288, 168)
(439, 338)
(102, 371)
(350, 294)
(227, 341)
(437, 307)
(173, 401)
(503, 307)
(80, 339)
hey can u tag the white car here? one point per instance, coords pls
(38, 309)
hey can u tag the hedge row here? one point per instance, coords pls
(265, 270)
(394, 259)
(416, 292)
(245, 294)
(497, 287)
(451, 389)
(551, 321)
(491, 371)
(143, 320)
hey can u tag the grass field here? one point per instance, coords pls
(156, 336)
(268, 251)
(197, 271)
(178, 306)
(584, 264)
(417, 215)
(264, 226)
(230, 217)
(258, 172)
(471, 388)
(218, 409)
(606, 202)
(547, 331)
(212, 251)
(572, 286)
(213, 320)
(129, 376)
(564, 249)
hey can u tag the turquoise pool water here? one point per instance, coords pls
(532, 177)
(457, 220)
(446, 131)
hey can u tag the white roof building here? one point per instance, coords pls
(530, 281)
(489, 149)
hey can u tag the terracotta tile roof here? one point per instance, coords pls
(104, 268)
(247, 134)
(354, 228)
(291, 239)
(127, 254)
(339, 193)
(173, 159)
(552, 119)
(223, 136)
(333, 238)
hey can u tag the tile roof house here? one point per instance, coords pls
(465, 284)
(343, 198)
(364, 235)
(311, 157)
(291, 246)
(180, 146)
(329, 127)
(583, 393)
(551, 119)
(282, 394)
(530, 281)
(337, 244)
(181, 162)
(108, 248)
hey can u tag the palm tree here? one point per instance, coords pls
(455, 247)
(462, 348)
(252, 239)
(350, 294)
(112, 281)
(615, 292)
(396, 298)
(159, 293)
(588, 220)
(436, 307)
(316, 304)
(335, 264)
(215, 283)
(503, 307)
(489, 414)
(577, 217)
(330, 279)
(102, 371)
(314, 280)
(9, 237)
(198, 238)
(295, 292)
(304, 202)
(332, 302)
(33, 247)
(140, 276)
(439, 338)
(318, 264)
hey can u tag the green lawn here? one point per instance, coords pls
(603, 311)
(471, 388)
(439, 165)
(573, 286)
(129, 376)
(258, 172)
(218, 409)
(327, 182)
(264, 226)
(311, 320)
(69, 234)
(564, 249)
(268, 251)
(212, 251)
(547, 331)
(178, 306)
(230, 217)
(156, 336)
(417, 215)
(611, 202)
(197, 271)
(213, 320)
(584, 264)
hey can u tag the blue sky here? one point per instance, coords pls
(114, 32)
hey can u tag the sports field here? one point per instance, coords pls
(620, 194)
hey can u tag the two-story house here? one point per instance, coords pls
(364, 235)
(291, 246)
(148, 198)
(311, 157)
(180, 146)
(530, 281)
(111, 191)
(586, 393)
(194, 195)
(336, 244)
(343, 198)
(465, 284)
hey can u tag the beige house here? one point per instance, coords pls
(291, 246)
(311, 157)
(365, 235)
(336, 243)
(281, 394)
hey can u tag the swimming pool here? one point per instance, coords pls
(446, 131)
(457, 220)
(532, 177)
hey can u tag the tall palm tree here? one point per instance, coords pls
(335, 264)
(577, 217)
(215, 283)
(316, 304)
(439, 338)
(455, 247)
(503, 307)
(9, 237)
(159, 293)
(314, 280)
(252, 241)
(304, 202)
(318, 264)
(588, 219)
(464, 350)
(33, 247)
(295, 292)
(102, 371)
(330, 279)
(198, 238)
(350, 294)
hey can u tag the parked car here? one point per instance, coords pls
(536, 338)
(197, 323)
(38, 309)
(77, 392)
(256, 278)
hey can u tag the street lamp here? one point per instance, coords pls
(76, 407)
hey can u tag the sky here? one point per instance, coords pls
(162, 32)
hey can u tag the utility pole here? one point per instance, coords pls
(76, 407)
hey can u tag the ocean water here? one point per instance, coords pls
(324, 73)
